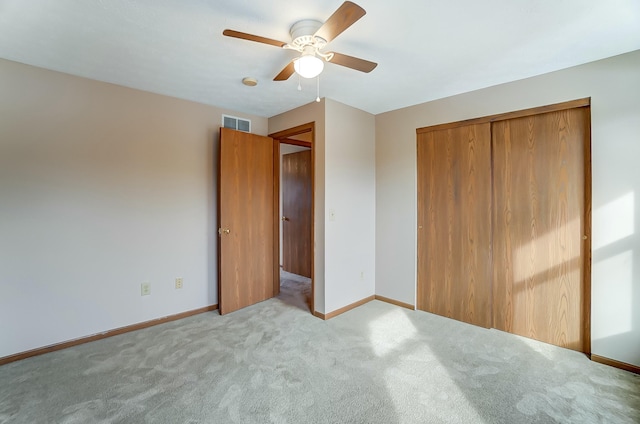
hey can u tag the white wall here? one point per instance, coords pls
(350, 194)
(101, 188)
(344, 182)
(614, 87)
(312, 112)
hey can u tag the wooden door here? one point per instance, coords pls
(454, 223)
(538, 226)
(246, 217)
(296, 212)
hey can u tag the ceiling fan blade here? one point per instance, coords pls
(285, 73)
(251, 37)
(343, 18)
(353, 62)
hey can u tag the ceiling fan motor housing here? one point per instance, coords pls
(302, 34)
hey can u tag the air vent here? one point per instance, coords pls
(236, 123)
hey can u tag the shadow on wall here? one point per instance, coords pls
(615, 249)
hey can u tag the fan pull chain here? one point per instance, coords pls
(318, 89)
(299, 86)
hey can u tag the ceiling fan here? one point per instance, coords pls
(309, 37)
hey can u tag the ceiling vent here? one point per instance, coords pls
(236, 123)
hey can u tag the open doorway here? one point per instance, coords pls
(295, 209)
(293, 163)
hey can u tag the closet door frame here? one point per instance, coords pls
(584, 102)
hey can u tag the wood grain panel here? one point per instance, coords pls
(538, 226)
(296, 208)
(454, 223)
(246, 204)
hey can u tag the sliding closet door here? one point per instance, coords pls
(454, 223)
(538, 226)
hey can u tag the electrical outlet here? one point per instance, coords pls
(178, 283)
(145, 289)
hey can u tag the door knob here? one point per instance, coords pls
(284, 218)
(222, 231)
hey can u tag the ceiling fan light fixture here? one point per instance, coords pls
(308, 65)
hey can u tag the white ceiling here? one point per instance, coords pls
(426, 49)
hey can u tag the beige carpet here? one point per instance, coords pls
(276, 363)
